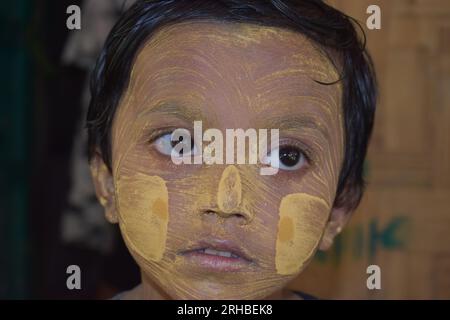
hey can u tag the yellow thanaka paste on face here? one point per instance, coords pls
(143, 214)
(302, 221)
(230, 190)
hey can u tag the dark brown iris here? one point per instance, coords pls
(289, 156)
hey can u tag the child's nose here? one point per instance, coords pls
(229, 194)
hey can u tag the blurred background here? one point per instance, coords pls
(49, 217)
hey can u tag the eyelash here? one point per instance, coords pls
(158, 133)
(304, 149)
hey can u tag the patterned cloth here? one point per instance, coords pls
(83, 221)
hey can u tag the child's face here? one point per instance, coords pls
(228, 76)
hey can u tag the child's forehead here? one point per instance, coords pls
(260, 50)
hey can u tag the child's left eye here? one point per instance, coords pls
(165, 145)
(290, 158)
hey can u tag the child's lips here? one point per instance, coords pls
(216, 262)
(218, 255)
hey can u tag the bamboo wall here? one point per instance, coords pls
(403, 223)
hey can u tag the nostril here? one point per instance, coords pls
(209, 212)
(240, 215)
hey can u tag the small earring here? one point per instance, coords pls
(103, 201)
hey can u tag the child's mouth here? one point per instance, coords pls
(218, 255)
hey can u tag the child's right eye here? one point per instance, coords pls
(165, 145)
(290, 158)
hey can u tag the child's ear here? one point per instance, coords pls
(104, 187)
(338, 219)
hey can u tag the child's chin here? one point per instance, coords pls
(183, 289)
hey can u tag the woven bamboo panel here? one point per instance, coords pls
(403, 223)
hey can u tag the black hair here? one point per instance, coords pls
(330, 29)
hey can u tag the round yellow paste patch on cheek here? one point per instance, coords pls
(302, 222)
(142, 203)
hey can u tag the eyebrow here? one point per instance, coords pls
(189, 114)
(297, 122)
